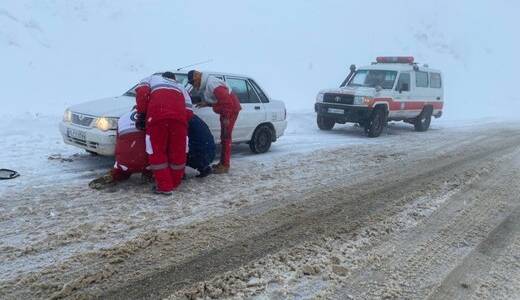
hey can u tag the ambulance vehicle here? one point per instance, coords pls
(390, 89)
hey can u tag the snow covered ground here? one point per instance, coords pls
(56, 234)
(36, 150)
(52, 224)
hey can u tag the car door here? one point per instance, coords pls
(253, 110)
(436, 86)
(402, 94)
(421, 93)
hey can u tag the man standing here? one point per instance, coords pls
(217, 94)
(164, 109)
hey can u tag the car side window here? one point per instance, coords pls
(259, 91)
(421, 79)
(435, 80)
(243, 90)
(253, 97)
(403, 84)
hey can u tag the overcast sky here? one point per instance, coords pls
(56, 53)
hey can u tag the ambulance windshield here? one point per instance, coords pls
(373, 78)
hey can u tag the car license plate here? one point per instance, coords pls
(336, 111)
(76, 134)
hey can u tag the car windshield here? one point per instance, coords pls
(180, 78)
(373, 78)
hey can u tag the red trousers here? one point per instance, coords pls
(227, 123)
(166, 148)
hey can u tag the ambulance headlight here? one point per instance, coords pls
(104, 123)
(67, 116)
(319, 98)
(362, 100)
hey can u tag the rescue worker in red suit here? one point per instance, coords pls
(218, 95)
(130, 155)
(163, 110)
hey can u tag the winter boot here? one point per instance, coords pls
(203, 172)
(102, 182)
(220, 169)
(147, 177)
(164, 193)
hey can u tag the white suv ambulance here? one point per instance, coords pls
(93, 125)
(390, 89)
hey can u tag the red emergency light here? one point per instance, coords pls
(395, 59)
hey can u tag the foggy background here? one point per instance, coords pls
(57, 53)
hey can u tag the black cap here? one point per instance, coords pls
(190, 76)
(168, 75)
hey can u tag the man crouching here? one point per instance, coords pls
(131, 156)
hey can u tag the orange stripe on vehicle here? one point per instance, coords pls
(408, 105)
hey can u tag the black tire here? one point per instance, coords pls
(422, 122)
(325, 123)
(374, 127)
(261, 140)
(92, 153)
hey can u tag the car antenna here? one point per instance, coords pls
(196, 64)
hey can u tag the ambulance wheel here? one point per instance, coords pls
(374, 127)
(325, 123)
(422, 122)
(262, 139)
(91, 153)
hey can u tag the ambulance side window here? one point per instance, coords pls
(403, 84)
(421, 79)
(435, 80)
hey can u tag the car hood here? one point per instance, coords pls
(362, 91)
(106, 107)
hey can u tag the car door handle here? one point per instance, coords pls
(438, 98)
(257, 107)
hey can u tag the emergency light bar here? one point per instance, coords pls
(395, 59)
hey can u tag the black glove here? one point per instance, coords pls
(140, 121)
(195, 99)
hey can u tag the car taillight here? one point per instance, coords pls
(395, 59)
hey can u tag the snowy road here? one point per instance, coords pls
(323, 214)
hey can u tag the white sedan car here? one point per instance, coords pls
(92, 125)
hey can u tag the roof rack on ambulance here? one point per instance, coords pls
(394, 60)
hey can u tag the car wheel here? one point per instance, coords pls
(325, 123)
(261, 140)
(422, 122)
(91, 153)
(374, 127)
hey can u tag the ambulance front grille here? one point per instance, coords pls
(338, 98)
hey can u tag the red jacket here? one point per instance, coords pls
(220, 95)
(130, 146)
(161, 98)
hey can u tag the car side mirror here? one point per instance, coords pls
(404, 87)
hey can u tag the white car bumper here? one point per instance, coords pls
(91, 139)
(280, 127)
